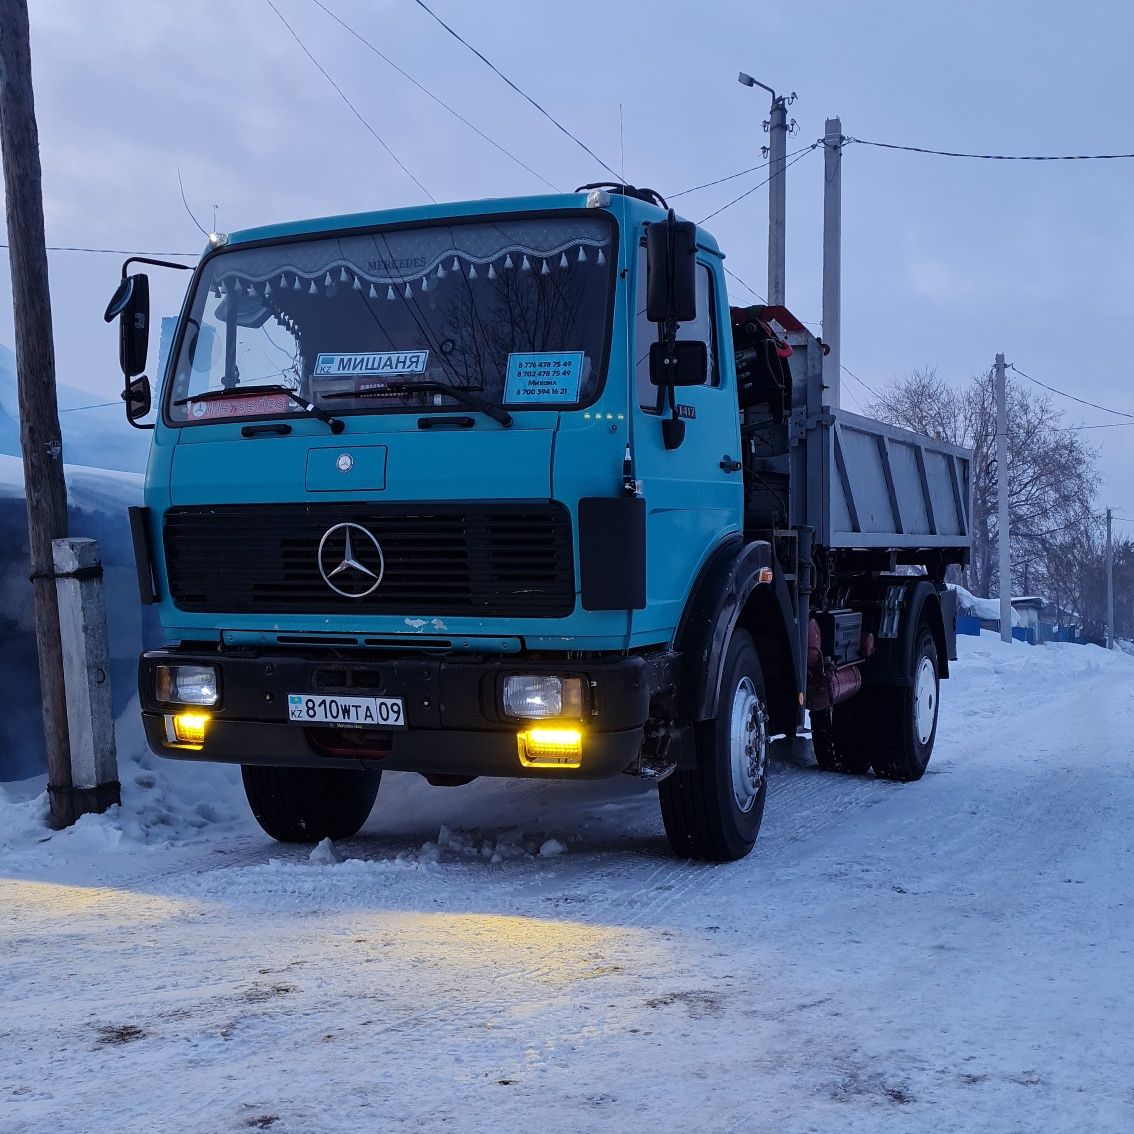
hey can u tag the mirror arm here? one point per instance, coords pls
(673, 427)
(157, 264)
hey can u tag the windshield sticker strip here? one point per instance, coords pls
(543, 376)
(372, 363)
(239, 405)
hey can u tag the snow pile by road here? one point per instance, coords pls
(165, 803)
(495, 846)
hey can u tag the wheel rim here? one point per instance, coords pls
(748, 744)
(925, 699)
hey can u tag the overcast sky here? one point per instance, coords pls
(945, 261)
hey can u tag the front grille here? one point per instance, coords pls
(504, 560)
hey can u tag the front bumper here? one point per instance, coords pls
(454, 722)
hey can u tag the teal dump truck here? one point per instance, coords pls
(506, 488)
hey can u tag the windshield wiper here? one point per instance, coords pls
(333, 423)
(459, 393)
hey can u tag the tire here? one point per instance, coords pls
(307, 805)
(843, 737)
(713, 812)
(906, 716)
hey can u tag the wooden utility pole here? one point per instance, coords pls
(40, 439)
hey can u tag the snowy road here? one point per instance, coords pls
(956, 954)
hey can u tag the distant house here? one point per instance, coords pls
(1059, 624)
(1034, 619)
(1026, 623)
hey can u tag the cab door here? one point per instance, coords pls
(693, 494)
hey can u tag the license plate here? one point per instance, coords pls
(356, 712)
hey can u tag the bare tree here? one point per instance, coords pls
(1052, 475)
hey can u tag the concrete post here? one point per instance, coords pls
(1109, 583)
(86, 668)
(1003, 536)
(777, 200)
(832, 257)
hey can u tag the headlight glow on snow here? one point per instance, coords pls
(186, 684)
(540, 696)
(551, 747)
(187, 729)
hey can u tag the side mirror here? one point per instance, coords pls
(130, 305)
(671, 271)
(138, 398)
(685, 363)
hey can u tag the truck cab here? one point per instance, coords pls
(466, 490)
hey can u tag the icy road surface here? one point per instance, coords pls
(952, 955)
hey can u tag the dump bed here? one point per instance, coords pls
(860, 483)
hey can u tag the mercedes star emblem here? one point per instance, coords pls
(345, 462)
(351, 560)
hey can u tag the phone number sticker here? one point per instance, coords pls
(543, 376)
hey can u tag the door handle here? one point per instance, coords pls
(729, 465)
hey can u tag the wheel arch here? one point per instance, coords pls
(917, 602)
(728, 594)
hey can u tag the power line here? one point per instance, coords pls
(991, 157)
(863, 384)
(112, 251)
(1108, 425)
(748, 192)
(99, 405)
(436, 98)
(748, 287)
(354, 110)
(730, 177)
(1071, 397)
(559, 125)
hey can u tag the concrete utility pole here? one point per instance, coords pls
(40, 439)
(777, 200)
(832, 258)
(86, 667)
(1003, 537)
(1109, 585)
(777, 188)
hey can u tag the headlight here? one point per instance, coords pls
(530, 697)
(186, 684)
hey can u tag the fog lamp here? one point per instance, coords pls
(187, 729)
(551, 747)
(186, 684)
(537, 697)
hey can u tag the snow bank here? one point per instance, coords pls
(164, 803)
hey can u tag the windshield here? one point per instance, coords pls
(516, 311)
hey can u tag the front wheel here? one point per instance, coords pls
(713, 811)
(307, 805)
